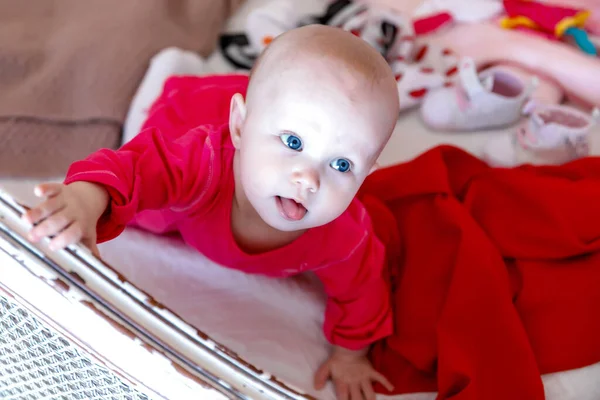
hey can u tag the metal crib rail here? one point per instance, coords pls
(136, 311)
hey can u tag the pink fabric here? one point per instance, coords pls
(533, 32)
(488, 44)
(177, 176)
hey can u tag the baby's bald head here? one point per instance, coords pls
(331, 47)
(319, 56)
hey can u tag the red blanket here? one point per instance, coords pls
(497, 278)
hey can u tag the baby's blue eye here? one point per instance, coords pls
(292, 141)
(341, 164)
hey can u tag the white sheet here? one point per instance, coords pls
(276, 324)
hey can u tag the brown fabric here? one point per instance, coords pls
(69, 68)
(42, 149)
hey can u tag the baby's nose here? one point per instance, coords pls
(307, 180)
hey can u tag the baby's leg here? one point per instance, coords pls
(166, 63)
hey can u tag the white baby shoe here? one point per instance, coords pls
(552, 135)
(491, 99)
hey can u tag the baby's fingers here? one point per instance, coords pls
(92, 246)
(342, 391)
(44, 210)
(355, 392)
(322, 375)
(47, 189)
(51, 226)
(367, 390)
(69, 236)
(376, 376)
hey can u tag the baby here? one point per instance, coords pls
(259, 174)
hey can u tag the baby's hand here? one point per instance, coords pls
(352, 375)
(70, 213)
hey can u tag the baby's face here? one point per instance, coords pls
(305, 150)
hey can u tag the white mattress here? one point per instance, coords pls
(274, 324)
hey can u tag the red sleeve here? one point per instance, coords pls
(150, 172)
(172, 162)
(358, 310)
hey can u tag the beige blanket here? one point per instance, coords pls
(69, 68)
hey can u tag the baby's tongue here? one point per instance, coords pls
(292, 210)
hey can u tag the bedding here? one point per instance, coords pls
(497, 277)
(265, 321)
(68, 70)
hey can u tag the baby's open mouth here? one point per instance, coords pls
(290, 209)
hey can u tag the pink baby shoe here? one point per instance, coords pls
(552, 135)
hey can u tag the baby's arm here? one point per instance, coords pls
(161, 166)
(358, 312)
(102, 193)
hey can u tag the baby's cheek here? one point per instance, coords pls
(264, 174)
(269, 167)
(335, 202)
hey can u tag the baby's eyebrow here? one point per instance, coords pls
(289, 132)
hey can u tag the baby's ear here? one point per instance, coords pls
(237, 116)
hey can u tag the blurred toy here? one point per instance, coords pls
(553, 21)
(418, 68)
